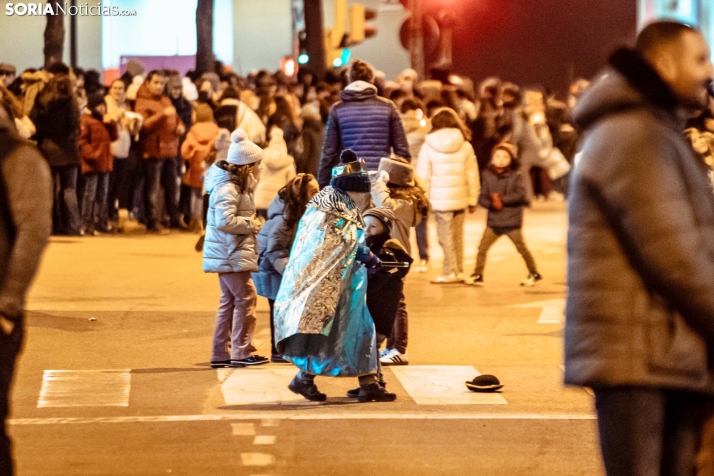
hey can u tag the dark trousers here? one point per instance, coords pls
(491, 235)
(10, 346)
(400, 331)
(273, 349)
(94, 201)
(422, 239)
(160, 173)
(649, 431)
(118, 188)
(65, 212)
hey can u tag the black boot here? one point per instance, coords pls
(354, 393)
(306, 388)
(375, 393)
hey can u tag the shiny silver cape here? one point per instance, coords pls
(322, 324)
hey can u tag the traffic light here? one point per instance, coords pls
(334, 38)
(359, 28)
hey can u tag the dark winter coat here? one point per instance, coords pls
(313, 135)
(385, 286)
(364, 123)
(640, 306)
(159, 135)
(275, 240)
(509, 185)
(95, 144)
(57, 123)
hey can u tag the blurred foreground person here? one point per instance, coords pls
(640, 311)
(25, 225)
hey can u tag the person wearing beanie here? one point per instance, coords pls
(231, 250)
(278, 169)
(195, 148)
(400, 190)
(95, 144)
(364, 123)
(321, 305)
(504, 196)
(385, 285)
(160, 139)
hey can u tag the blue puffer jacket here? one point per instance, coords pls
(364, 123)
(230, 245)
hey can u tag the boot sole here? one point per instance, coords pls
(320, 398)
(381, 398)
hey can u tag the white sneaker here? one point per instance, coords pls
(448, 279)
(532, 280)
(423, 267)
(395, 358)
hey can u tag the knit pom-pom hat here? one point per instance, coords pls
(242, 151)
(351, 176)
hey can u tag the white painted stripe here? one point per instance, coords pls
(443, 385)
(553, 311)
(85, 388)
(257, 459)
(266, 386)
(264, 440)
(301, 416)
(269, 422)
(243, 429)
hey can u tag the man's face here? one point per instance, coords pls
(157, 85)
(691, 71)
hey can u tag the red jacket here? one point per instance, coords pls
(159, 136)
(95, 144)
(195, 148)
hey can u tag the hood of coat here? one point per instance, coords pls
(631, 83)
(446, 141)
(359, 91)
(205, 132)
(214, 177)
(275, 156)
(276, 208)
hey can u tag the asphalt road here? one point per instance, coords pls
(114, 379)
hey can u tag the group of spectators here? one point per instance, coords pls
(142, 142)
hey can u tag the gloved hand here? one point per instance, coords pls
(496, 201)
(374, 264)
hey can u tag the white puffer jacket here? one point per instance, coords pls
(277, 169)
(447, 164)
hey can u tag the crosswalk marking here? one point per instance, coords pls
(443, 385)
(553, 311)
(264, 440)
(267, 386)
(85, 388)
(257, 459)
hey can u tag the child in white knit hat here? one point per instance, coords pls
(231, 250)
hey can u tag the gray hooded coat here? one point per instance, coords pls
(640, 306)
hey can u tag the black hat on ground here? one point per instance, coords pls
(484, 383)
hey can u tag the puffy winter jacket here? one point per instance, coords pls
(199, 140)
(95, 145)
(447, 164)
(640, 307)
(159, 133)
(230, 244)
(277, 169)
(364, 123)
(509, 185)
(274, 242)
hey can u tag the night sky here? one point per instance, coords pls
(538, 42)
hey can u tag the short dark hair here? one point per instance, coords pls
(361, 71)
(659, 33)
(409, 105)
(58, 68)
(155, 72)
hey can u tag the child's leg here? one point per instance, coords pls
(422, 238)
(398, 338)
(100, 205)
(89, 195)
(457, 230)
(224, 320)
(196, 205)
(517, 238)
(446, 240)
(487, 240)
(243, 315)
